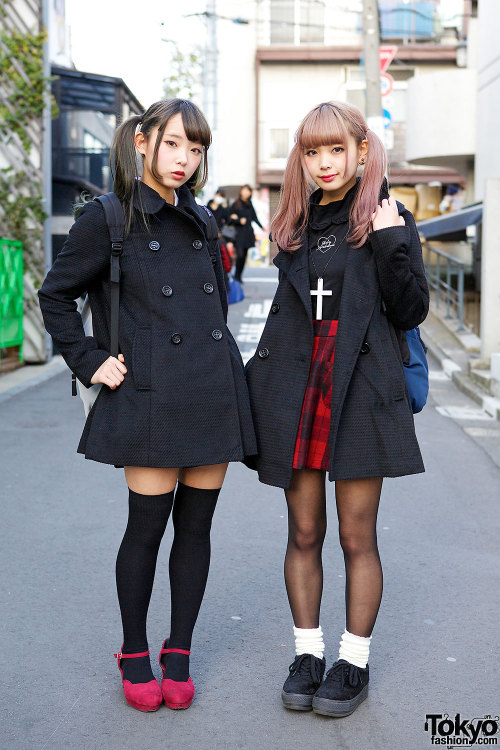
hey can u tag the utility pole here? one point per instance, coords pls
(371, 45)
(210, 92)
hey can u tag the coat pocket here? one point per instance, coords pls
(141, 359)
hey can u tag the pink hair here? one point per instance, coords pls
(328, 123)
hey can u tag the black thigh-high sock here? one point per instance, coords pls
(188, 568)
(135, 570)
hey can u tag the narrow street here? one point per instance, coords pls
(434, 645)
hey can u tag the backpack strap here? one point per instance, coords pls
(115, 219)
(212, 230)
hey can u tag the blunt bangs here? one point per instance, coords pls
(323, 127)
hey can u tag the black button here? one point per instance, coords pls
(263, 353)
(154, 245)
(208, 288)
(217, 335)
(167, 290)
(275, 308)
(365, 348)
(197, 244)
(176, 338)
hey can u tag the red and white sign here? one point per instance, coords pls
(386, 84)
(386, 56)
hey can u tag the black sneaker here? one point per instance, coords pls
(305, 677)
(344, 688)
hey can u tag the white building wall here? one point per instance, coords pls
(234, 139)
(488, 95)
(286, 94)
(441, 122)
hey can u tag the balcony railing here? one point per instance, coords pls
(88, 165)
(445, 275)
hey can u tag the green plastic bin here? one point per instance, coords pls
(11, 294)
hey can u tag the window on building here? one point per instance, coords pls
(279, 143)
(282, 21)
(312, 22)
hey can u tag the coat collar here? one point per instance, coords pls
(148, 200)
(145, 198)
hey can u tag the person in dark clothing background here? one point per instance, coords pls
(219, 208)
(242, 214)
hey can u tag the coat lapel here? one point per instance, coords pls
(296, 268)
(360, 294)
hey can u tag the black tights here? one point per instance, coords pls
(357, 507)
(193, 509)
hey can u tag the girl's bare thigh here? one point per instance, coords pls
(149, 481)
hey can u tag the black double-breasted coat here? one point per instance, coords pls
(184, 400)
(372, 430)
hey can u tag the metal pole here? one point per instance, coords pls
(210, 92)
(371, 45)
(47, 159)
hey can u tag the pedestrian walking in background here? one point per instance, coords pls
(219, 208)
(327, 385)
(241, 215)
(165, 412)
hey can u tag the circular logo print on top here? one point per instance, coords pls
(154, 245)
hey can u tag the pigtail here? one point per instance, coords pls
(368, 193)
(123, 162)
(290, 220)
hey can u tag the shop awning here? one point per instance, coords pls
(457, 221)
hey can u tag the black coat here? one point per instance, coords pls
(372, 431)
(245, 236)
(184, 400)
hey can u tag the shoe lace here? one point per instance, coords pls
(306, 662)
(342, 670)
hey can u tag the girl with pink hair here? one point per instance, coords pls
(327, 383)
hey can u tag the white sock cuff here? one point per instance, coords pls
(355, 648)
(309, 641)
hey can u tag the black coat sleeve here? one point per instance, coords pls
(219, 275)
(398, 257)
(84, 258)
(255, 218)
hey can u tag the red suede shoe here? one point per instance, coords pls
(145, 696)
(175, 694)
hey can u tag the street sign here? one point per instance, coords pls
(386, 56)
(386, 84)
(387, 117)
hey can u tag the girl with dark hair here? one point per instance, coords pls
(242, 213)
(174, 408)
(327, 385)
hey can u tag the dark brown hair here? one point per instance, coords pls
(123, 158)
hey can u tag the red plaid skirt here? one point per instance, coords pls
(311, 447)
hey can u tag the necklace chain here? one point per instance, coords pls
(331, 256)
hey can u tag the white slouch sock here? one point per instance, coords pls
(355, 649)
(309, 641)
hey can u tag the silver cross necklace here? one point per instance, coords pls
(324, 244)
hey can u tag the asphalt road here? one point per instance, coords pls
(435, 644)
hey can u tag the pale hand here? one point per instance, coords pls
(243, 220)
(111, 372)
(387, 215)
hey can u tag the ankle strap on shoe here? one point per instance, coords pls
(174, 651)
(119, 655)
